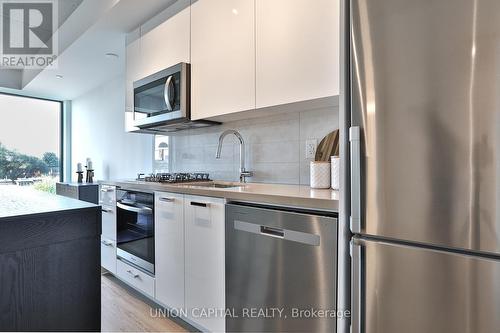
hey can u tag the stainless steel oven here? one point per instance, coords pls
(135, 240)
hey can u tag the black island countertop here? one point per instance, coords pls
(49, 262)
(18, 201)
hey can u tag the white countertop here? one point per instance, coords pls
(286, 195)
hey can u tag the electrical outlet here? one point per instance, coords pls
(311, 145)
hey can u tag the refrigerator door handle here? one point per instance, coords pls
(355, 140)
(357, 287)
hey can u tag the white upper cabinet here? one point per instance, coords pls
(222, 57)
(244, 54)
(297, 48)
(133, 73)
(167, 44)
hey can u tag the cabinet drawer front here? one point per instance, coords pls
(108, 254)
(107, 195)
(136, 278)
(109, 222)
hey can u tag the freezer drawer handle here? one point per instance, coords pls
(285, 234)
(356, 290)
(162, 199)
(275, 232)
(198, 204)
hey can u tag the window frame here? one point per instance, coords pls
(61, 127)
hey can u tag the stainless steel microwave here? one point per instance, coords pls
(162, 101)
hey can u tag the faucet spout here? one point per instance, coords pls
(243, 172)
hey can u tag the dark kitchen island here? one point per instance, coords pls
(49, 262)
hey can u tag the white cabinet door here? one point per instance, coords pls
(205, 271)
(107, 199)
(108, 222)
(167, 44)
(108, 254)
(107, 196)
(222, 57)
(169, 249)
(297, 48)
(134, 72)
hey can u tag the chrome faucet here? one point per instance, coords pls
(243, 172)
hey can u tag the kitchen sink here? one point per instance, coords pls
(218, 185)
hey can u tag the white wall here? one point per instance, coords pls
(98, 132)
(275, 146)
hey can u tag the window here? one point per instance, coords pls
(30, 142)
(161, 153)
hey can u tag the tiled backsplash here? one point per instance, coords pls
(275, 147)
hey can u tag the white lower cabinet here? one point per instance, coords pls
(108, 222)
(136, 278)
(108, 254)
(107, 195)
(169, 249)
(107, 200)
(204, 253)
(189, 259)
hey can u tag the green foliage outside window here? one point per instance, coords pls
(14, 165)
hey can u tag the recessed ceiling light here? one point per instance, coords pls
(112, 55)
(235, 11)
(59, 76)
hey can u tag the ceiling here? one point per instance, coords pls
(88, 30)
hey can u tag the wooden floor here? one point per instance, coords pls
(122, 310)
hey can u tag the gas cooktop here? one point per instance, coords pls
(181, 177)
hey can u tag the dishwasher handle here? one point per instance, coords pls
(284, 234)
(274, 232)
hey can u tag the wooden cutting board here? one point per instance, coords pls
(328, 147)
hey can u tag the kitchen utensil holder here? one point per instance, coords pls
(320, 174)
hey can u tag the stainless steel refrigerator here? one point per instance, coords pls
(424, 97)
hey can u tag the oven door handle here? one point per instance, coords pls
(139, 210)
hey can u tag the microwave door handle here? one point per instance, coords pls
(139, 210)
(166, 93)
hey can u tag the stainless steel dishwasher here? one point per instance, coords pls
(281, 269)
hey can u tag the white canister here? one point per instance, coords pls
(320, 174)
(335, 172)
